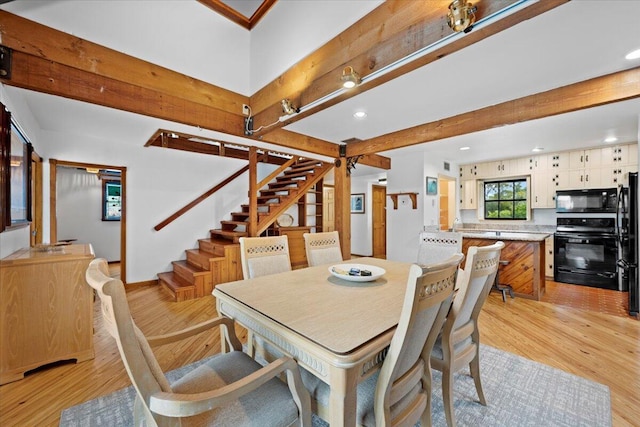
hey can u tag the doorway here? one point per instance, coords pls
(54, 182)
(447, 201)
(379, 221)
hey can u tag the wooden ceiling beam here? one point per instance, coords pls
(41, 75)
(302, 142)
(615, 87)
(23, 35)
(389, 33)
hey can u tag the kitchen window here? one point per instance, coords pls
(505, 199)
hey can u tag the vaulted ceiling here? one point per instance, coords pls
(547, 73)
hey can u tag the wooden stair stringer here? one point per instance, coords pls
(285, 203)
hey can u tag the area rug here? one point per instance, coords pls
(519, 392)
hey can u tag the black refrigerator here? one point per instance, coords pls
(628, 239)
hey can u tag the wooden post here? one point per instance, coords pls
(343, 206)
(253, 192)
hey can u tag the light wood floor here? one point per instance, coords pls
(600, 347)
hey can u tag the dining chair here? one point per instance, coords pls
(400, 393)
(322, 248)
(459, 343)
(261, 256)
(437, 246)
(228, 389)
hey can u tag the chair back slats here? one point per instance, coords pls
(402, 389)
(261, 256)
(322, 248)
(475, 282)
(437, 246)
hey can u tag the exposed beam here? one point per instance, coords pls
(41, 75)
(598, 91)
(389, 33)
(23, 35)
(298, 141)
(235, 16)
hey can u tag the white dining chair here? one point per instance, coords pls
(322, 248)
(437, 246)
(400, 393)
(261, 256)
(459, 343)
(229, 389)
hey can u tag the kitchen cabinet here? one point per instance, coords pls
(542, 190)
(548, 256)
(503, 168)
(468, 172)
(46, 307)
(558, 161)
(469, 194)
(585, 178)
(586, 159)
(297, 253)
(537, 163)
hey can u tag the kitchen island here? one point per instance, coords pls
(525, 253)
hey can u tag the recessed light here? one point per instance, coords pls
(634, 54)
(537, 149)
(465, 148)
(610, 139)
(359, 114)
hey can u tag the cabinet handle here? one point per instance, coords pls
(586, 158)
(587, 178)
(581, 178)
(581, 159)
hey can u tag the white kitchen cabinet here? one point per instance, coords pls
(558, 161)
(537, 163)
(468, 172)
(587, 178)
(548, 256)
(469, 194)
(586, 159)
(503, 168)
(542, 190)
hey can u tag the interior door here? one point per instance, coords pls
(447, 192)
(379, 220)
(328, 209)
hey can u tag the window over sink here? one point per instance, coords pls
(506, 200)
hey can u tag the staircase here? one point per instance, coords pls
(217, 259)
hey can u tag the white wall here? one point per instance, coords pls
(158, 182)
(79, 213)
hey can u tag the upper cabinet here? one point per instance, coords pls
(601, 167)
(468, 172)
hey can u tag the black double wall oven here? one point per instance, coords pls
(586, 241)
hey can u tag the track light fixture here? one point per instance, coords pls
(288, 108)
(461, 16)
(350, 78)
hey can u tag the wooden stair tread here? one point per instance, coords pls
(217, 241)
(174, 281)
(194, 269)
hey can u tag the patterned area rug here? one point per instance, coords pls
(519, 392)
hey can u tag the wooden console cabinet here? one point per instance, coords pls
(46, 309)
(297, 252)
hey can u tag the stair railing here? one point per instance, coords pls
(204, 196)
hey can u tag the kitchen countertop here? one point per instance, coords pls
(504, 235)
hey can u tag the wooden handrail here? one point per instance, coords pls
(196, 201)
(276, 172)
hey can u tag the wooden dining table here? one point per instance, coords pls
(336, 329)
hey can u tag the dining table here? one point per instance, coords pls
(336, 328)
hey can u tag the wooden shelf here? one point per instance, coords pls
(413, 196)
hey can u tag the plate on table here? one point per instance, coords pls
(357, 272)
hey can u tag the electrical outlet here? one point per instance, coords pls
(245, 109)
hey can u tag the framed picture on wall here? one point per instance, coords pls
(357, 203)
(432, 186)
